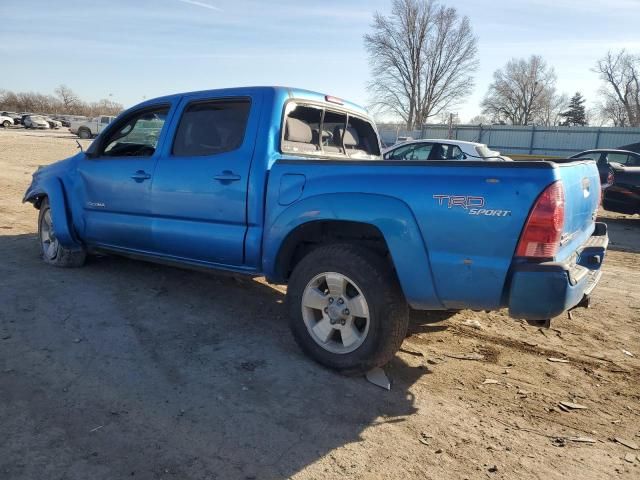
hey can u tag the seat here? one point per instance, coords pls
(200, 137)
(437, 153)
(298, 136)
(351, 140)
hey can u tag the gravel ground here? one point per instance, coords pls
(130, 369)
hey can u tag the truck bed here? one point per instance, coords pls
(468, 214)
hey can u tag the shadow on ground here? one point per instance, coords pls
(129, 369)
(624, 233)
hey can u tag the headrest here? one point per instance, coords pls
(297, 131)
(350, 137)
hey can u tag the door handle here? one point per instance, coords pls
(140, 176)
(227, 176)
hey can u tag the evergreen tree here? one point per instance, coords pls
(576, 113)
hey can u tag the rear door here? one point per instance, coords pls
(199, 193)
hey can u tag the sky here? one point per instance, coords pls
(129, 50)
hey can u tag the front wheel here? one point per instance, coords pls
(6, 124)
(52, 252)
(346, 308)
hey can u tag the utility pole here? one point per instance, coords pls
(452, 117)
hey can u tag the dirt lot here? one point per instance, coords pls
(129, 369)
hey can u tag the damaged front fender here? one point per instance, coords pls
(51, 187)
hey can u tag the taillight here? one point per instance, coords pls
(540, 238)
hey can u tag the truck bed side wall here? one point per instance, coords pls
(462, 257)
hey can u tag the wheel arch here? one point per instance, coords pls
(381, 222)
(307, 235)
(52, 189)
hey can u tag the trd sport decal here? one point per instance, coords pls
(473, 205)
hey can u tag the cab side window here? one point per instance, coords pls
(137, 135)
(211, 127)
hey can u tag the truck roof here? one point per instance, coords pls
(290, 92)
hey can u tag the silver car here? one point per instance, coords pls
(35, 121)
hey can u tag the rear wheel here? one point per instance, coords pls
(346, 308)
(84, 133)
(52, 252)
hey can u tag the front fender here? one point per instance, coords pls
(392, 217)
(52, 188)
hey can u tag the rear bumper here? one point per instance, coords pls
(540, 291)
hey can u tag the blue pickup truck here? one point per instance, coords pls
(291, 184)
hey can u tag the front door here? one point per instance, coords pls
(116, 176)
(199, 191)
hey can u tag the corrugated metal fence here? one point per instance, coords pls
(527, 140)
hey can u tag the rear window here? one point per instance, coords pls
(209, 128)
(310, 129)
(301, 130)
(333, 131)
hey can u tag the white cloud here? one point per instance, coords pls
(201, 4)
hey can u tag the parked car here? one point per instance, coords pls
(5, 121)
(16, 117)
(63, 120)
(53, 123)
(89, 128)
(442, 149)
(633, 147)
(290, 184)
(620, 172)
(35, 121)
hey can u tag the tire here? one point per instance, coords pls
(379, 335)
(6, 124)
(84, 133)
(52, 252)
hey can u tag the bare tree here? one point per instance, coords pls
(621, 75)
(69, 99)
(478, 120)
(521, 91)
(551, 107)
(41, 103)
(422, 59)
(611, 110)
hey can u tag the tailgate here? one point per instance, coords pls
(581, 183)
